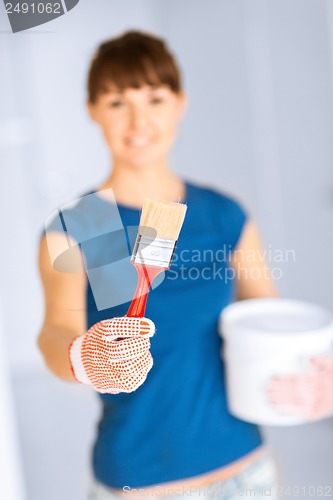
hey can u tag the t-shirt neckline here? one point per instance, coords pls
(134, 209)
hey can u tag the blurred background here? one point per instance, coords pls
(259, 76)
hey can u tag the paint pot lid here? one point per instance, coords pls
(274, 315)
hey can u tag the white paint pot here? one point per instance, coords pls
(264, 338)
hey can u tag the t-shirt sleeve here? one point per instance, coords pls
(239, 218)
(62, 251)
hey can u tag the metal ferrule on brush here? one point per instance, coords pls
(151, 251)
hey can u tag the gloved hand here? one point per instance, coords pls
(110, 365)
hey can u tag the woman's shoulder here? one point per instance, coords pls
(75, 217)
(71, 212)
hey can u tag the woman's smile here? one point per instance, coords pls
(139, 141)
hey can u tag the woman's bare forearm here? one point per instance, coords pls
(54, 342)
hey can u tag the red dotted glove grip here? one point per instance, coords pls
(110, 365)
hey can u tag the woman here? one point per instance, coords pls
(173, 434)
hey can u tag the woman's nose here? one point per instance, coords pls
(138, 117)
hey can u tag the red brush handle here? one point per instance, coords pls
(146, 276)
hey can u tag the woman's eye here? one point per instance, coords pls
(156, 100)
(116, 104)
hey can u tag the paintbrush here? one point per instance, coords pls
(160, 225)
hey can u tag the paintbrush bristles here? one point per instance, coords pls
(166, 218)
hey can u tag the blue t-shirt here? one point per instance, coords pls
(176, 425)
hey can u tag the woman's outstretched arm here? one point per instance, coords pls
(65, 315)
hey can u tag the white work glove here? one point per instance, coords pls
(110, 365)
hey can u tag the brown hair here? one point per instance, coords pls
(132, 60)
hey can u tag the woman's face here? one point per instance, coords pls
(139, 125)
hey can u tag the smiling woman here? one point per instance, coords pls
(137, 109)
(174, 430)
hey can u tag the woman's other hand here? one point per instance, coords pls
(308, 394)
